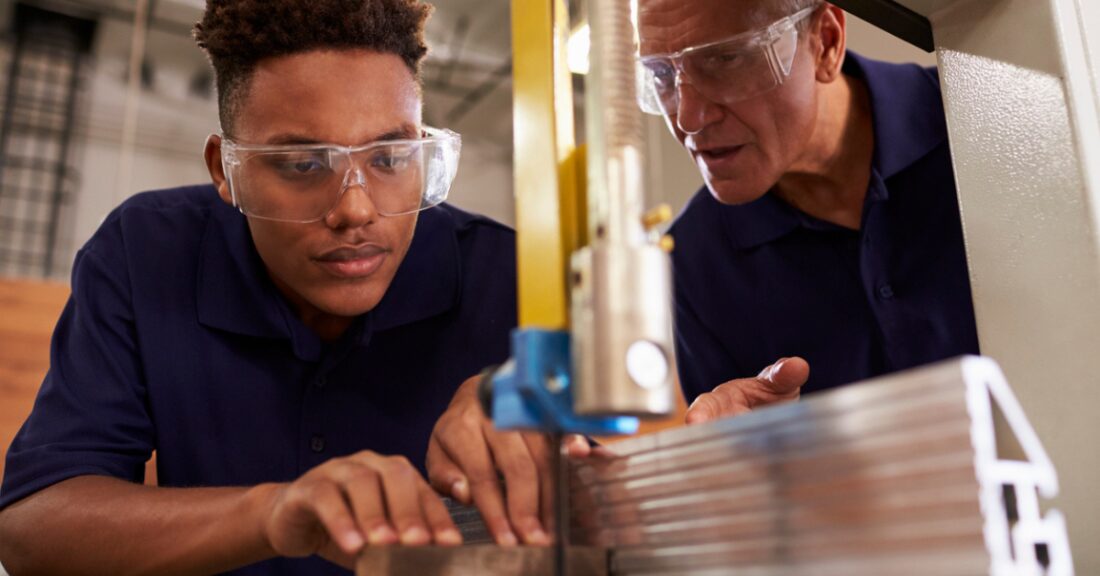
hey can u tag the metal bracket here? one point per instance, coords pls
(534, 389)
(893, 18)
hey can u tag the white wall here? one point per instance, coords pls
(173, 125)
(171, 130)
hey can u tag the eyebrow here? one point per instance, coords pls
(403, 132)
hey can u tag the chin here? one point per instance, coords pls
(347, 301)
(732, 192)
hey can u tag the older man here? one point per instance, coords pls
(828, 230)
(827, 235)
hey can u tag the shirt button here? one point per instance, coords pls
(317, 443)
(886, 291)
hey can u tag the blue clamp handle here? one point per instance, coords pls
(534, 391)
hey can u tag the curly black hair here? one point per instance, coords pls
(238, 34)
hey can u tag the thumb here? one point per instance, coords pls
(445, 476)
(577, 446)
(703, 409)
(786, 377)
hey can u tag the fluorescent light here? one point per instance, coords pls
(580, 42)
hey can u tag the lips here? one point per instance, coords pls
(719, 152)
(353, 261)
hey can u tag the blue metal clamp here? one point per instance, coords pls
(534, 390)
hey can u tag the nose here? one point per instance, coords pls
(694, 111)
(354, 207)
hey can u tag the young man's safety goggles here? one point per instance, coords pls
(304, 183)
(726, 71)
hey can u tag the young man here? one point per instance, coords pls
(284, 339)
(828, 230)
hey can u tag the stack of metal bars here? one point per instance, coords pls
(879, 478)
(898, 475)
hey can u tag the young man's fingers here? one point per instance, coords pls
(445, 476)
(577, 446)
(438, 518)
(542, 452)
(364, 491)
(521, 477)
(401, 486)
(328, 504)
(470, 453)
(486, 494)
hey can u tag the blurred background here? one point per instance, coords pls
(78, 135)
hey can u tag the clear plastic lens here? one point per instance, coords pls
(725, 72)
(304, 183)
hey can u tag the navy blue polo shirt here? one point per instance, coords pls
(176, 340)
(762, 281)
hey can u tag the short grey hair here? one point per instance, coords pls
(775, 9)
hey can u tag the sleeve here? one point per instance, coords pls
(91, 416)
(701, 360)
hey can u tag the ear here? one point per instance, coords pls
(213, 156)
(829, 33)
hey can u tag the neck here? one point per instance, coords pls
(329, 327)
(829, 181)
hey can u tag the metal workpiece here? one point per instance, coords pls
(898, 475)
(469, 523)
(622, 331)
(479, 561)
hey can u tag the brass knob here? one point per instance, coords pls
(667, 243)
(655, 217)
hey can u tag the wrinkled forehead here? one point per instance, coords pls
(666, 26)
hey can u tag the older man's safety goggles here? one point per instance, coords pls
(303, 183)
(725, 71)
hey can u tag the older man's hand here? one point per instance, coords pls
(780, 382)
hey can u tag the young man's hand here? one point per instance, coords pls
(780, 382)
(467, 454)
(361, 500)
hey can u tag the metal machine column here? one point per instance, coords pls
(592, 356)
(1021, 86)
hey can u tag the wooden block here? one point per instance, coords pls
(28, 314)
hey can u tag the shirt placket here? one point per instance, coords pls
(321, 398)
(876, 267)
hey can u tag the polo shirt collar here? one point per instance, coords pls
(758, 222)
(906, 109)
(907, 113)
(427, 283)
(235, 293)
